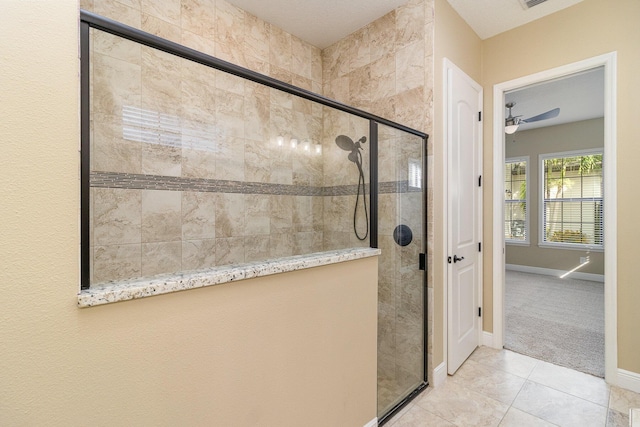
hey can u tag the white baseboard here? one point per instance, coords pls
(629, 380)
(372, 423)
(439, 375)
(487, 339)
(556, 273)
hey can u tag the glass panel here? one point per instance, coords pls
(515, 217)
(193, 168)
(592, 186)
(571, 187)
(401, 282)
(574, 182)
(515, 200)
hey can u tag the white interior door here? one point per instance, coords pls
(464, 103)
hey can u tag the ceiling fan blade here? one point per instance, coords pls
(544, 116)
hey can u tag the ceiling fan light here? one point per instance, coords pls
(510, 129)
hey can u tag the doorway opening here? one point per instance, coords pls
(553, 200)
(535, 220)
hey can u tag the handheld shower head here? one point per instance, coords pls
(345, 143)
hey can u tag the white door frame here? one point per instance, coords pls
(441, 373)
(610, 196)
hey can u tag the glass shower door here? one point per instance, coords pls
(401, 283)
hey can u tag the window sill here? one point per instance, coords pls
(516, 243)
(165, 284)
(583, 248)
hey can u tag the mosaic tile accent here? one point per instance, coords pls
(132, 181)
(174, 183)
(394, 187)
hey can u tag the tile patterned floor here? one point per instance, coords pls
(503, 388)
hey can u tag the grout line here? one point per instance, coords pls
(566, 392)
(570, 394)
(534, 367)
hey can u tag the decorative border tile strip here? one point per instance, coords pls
(391, 187)
(175, 183)
(343, 190)
(388, 187)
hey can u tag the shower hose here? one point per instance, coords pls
(364, 199)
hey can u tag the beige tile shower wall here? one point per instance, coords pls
(220, 29)
(386, 68)
(156, 114)
(147, 232)
(383, 68)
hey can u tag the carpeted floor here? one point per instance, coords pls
(556, 320)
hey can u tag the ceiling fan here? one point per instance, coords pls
(511, 123)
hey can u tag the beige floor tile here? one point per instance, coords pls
(480, 393)
(491, 382)
(461, 406)
(576, 383)
(517, 418)
(505, 360)
(622, 400)
(617, 419)
(559, 408)
(418, 417)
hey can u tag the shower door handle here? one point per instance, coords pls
(456, 258)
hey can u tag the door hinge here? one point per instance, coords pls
(479, 246)
(480, 181)
(479, 311)
(479, 116)
(422, 262)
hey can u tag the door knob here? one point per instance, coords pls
(456, 258)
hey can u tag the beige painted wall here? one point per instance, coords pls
(289, 349)
(454, 40)
(587, 29)
(553, 139)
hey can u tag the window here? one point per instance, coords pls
(516, 219)
(572, 195)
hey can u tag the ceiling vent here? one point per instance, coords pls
(528, 4)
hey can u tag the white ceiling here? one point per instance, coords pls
(319, 22)
(579, 97)
(324, 22)
(491, 17)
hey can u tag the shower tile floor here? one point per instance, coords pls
(503, 388)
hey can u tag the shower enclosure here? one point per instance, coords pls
(192, 163)
(401, 269)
